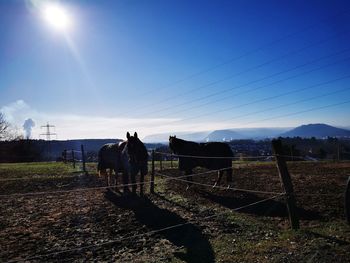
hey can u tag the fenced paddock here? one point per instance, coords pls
(72, 217)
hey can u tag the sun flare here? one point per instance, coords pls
(57, 17)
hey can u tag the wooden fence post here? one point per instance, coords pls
(65, 156)
(161, 162)
(83, 158)
(152, 174)
(73, 158)
(287, 183)
(347, 201)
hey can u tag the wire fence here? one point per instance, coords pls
(162, 177)
(212, 157)
(261, 157)
(54, 253)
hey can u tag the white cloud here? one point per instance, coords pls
(16, 111)
(70, 126)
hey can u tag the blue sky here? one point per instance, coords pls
(168, 66)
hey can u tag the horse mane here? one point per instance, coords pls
(179, 145)
(143, 148)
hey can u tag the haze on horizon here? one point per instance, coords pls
(96, 69)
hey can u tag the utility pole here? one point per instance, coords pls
(48, 135)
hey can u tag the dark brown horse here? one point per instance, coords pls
(108, 159)
(134, 160)
(202, 150)
(128, 157)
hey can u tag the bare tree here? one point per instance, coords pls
(8, 131)
(4, 127)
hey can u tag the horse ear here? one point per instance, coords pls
(135, 134)
(128, 135)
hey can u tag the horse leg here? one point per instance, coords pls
(133, 181)
(110, 176)
(220, 173)
(142, 178)
(102, 174)
(116, 180)
(125, 182)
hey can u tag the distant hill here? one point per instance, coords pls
(90, 145)
(218, 135)
(164, 137)
(223, 135)
(261, 133)
(316, 130)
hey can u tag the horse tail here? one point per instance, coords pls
(99, 159)
(99, 166)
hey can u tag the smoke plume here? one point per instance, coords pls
(27, 126)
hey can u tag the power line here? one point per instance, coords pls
(289, 104)
(303, 111)
(278, 58)
(248, 53)
(239, 57)
(254, 89)
(264, 99)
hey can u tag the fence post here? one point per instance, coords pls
(65, 156)
(83, 158)
(287, 183)
(152, 174)
(161, 162)
(347, 201)
(73, 158)
(171, 161)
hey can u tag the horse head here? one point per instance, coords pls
(136, 149)
(173, 143)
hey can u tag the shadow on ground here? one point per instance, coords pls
(271, 208)
(189, 236)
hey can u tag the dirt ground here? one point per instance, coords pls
(197, 225)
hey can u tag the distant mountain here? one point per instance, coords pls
(223, 135)
(164, 137)
(316, 130)
(90, 145)
(261, 133)
(219, 135)
(310, 130)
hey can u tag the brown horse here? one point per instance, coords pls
(133, 160)
(108, 159)
(129, 157)
(202, 150)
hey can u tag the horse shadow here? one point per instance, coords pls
(271, 208)
(189, 236)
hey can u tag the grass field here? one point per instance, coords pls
(51, 226)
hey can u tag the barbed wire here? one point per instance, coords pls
(104, 187)
(38, 178)
(73, 190)
(217, 187)
(304, 158)
(213, 157)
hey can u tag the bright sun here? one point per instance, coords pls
(57, 17)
